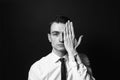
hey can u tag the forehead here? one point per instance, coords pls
(57, 27)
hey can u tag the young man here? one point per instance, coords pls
(64, 62)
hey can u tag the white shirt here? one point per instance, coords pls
(48, 68)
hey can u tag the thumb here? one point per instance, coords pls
(79, 40)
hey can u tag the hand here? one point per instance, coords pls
(69, 39)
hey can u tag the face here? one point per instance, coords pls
(56, 36)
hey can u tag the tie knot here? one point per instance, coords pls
(62, 59)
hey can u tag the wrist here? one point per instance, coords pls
(72, 52)
(71, 55)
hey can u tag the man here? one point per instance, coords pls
(64, 62)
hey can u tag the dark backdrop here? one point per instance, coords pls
(25, 24)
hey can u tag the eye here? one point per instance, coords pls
(55, 33)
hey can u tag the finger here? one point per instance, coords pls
(79, 40)
(75, 43)
(65, 32)
(72, 30)
(67, 29)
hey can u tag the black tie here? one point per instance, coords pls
(63, 69)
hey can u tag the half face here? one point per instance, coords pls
(56, 36)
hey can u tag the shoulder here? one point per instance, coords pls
(41, 63)
(38, 68)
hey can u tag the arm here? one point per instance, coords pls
(85, 62)
(79, 70)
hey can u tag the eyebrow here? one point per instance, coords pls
(55, 32)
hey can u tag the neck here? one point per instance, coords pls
(59, 53)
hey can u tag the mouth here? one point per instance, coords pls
(61, 45)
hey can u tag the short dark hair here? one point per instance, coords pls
(60, 19)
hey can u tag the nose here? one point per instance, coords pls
(61, 39)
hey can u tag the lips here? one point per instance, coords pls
(61, 45)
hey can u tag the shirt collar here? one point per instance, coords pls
(55, 58)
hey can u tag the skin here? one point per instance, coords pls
(63, 40)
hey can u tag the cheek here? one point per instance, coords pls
(54, 40)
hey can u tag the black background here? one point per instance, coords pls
(25, 24)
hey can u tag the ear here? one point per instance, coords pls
(49, 37)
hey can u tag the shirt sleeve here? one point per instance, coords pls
(80, 71)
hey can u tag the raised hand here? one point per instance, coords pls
(69, 39)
